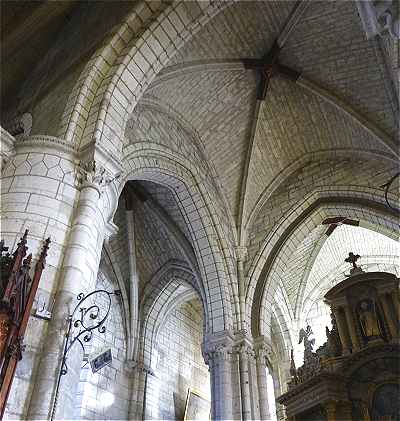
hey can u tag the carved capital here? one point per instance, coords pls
(219, 352)
(217, 346)
(262, 348)
(244, 350)
(91, 174)
(263, 352)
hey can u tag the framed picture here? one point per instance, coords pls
(197, 407)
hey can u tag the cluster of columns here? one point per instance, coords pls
(238, 371)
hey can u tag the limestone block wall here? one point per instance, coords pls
(180, 364)
(105, 395)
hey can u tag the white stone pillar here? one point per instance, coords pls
(138, 384)
(78, 274)
(133, 282)
(244, 350)
(261, 366)
(217, 349)
(254, 392)
(38, 193)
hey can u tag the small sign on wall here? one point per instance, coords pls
(100, 359)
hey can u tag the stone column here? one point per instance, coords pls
(243, 351)
(253, 382)
(343, 332)
(38, 193)
(217, 350)
(261, 355)
(385, 302)
(133, 281)
(236, 390)
(78, 274)
(138, 383)
(352, 328)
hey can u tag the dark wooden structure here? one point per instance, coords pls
(355, 375)
(17, 292)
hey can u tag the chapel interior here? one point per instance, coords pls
(199, 210)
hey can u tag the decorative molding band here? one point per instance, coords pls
(50, 142)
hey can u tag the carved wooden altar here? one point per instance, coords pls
(355, 375)
(17, 292)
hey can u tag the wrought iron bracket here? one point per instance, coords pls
(85, 319)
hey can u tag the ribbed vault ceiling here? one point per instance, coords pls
(209, 88)
(245, 29)
(204, 105)
(219, 106)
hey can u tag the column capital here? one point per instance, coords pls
(217, 345)
(91, 174)
(244, 349)
(262, 347)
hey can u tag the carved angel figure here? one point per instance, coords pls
(303, 336)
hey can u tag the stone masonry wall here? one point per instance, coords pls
(180, 364)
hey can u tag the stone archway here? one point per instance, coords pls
(288, 234)
(169, 291)
(204, 228)
(118, 73)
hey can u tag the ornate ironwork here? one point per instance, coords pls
(82, 323)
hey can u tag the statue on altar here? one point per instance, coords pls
(354, 375)
(308, 344)
(369, 320)
(333, 344)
